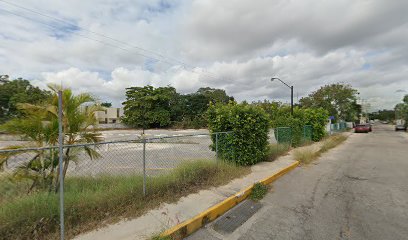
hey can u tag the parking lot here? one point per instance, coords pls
(122, 152)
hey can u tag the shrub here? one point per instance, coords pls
(317, 118)
(248, 143)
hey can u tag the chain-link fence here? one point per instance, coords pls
(29, 177)
(283, 135)
(307, 134)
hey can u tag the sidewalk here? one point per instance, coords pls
(169, 215)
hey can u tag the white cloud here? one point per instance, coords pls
(237, 45)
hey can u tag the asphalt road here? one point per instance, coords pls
(358, 190)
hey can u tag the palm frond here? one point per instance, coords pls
(92, 153)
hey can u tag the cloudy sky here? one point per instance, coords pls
(104, 46)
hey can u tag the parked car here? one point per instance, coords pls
(400, 127)
(362, 128)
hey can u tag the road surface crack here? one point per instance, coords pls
(356, 178)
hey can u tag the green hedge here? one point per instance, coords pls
(315, 117)
(248, 142)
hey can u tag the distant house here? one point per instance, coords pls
(109, 115)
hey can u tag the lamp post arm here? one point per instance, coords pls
(281, 81)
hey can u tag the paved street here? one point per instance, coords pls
(358, 190)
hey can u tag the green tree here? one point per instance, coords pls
(148, 106)
(401, 110)
(18, 91)
(340, 100)
(106, 104)
(383, 115)
(215, 95)
(39, 124)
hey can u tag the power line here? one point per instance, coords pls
(161, 56)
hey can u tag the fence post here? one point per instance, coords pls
(144, 166)
(61, 177)
(216, 146)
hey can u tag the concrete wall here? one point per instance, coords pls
(110, 115)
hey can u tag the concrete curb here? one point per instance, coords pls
(189, 226)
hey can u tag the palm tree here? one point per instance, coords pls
(40, 126)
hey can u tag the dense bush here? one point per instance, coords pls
(315, 117)
(248, 143)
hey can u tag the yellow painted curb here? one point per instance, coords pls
(187, 227)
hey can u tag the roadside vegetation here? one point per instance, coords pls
(401, 111)
(258, 192)
(277, 150)
(308, 154)
(91, 201)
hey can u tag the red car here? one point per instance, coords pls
(362, 128)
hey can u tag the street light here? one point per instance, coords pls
(291, 93)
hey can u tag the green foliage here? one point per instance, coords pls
(148, 106)
(248, 144)
(258, 191)
(281, 120)
(215, 95)
(383, 115)
(401, 110)
(18, 91)
(39, 124)
(283, 135)
(161, 107)
(106, 104)
(338, 99)
(317, 118)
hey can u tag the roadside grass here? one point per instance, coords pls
(258, 191)
(277, 150)
(92, 202)
(308, 154)
(332, 142)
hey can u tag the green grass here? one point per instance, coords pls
(277, 150)
(91, 202)
(258, 191)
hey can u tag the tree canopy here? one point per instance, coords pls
(401, 110)
(340, 100)
(161, 107)
(106, 104)
(148, 106)
(18, 91)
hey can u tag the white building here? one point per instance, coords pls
(109, 115)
